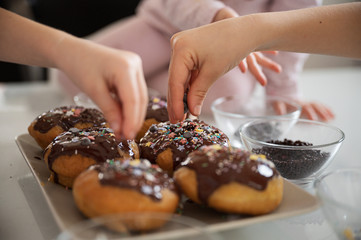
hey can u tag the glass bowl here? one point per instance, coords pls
(300, 149)
(340, 194)
(81, 99)
(232, 112)
(133, 226)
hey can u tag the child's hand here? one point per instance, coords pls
(112, 78)
(254, 61)
(194, 66)
(198, 60)
(310, 110)
(316, 111)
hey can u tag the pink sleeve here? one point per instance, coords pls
(181, 14)
(286, 84)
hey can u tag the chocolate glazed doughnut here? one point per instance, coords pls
(156, 113)
(50, 124)
(133, 186)
(230, 180)
(169, 144)
(72, 152)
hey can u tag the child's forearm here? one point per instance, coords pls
(334, 30)
(27, 42)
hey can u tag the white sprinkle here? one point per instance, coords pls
(265, 170)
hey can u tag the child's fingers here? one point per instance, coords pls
(267, 62)
(178, 76)
(243, 66)
(110, 108)
(143, 95)
(309, 112)
(323, 112)
(270, 52)
(132, 105)
(279, 107)
(256, 70)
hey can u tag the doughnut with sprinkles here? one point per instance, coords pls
(73, 151)
(230, 180)
(135, 186)
(51, 123)
(156, 113)
(168, 144)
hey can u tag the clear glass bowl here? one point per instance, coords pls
(127, 225)
(232, 112)
(340, 194)
(311, 146)
(81, 99)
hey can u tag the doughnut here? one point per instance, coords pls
(50, 124)
(169, 144)
(73, 151)
(230, 180)
(156, 113)
(130, 186)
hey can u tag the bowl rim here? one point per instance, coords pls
(280, 146)
(318, 182)
(216, 102)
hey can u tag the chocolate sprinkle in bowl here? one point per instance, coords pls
(300, 149)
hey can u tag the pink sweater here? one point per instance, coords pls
(175, 15)
(171, 16)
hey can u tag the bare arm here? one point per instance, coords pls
(204, 54)
(332, 30)
(26, 42)
(97, 70)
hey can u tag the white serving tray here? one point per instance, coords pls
(295, 200)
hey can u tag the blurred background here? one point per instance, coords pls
(78, 17)
(83, 17)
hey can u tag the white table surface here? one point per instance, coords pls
(24, 213)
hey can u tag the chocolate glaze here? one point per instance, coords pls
(99, 144)
(216, 166)
(139, 175)
(182, 138)
(157, 109)
(67, 117)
